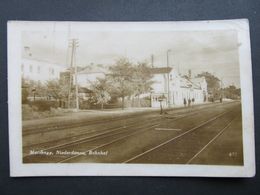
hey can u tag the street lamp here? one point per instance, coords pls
(34, 92)
(168, 79)
(160, 99)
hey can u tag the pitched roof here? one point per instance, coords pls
(84, 90)
(184, 82)
(92, 70)
(190, 82)
(161, 70)
(197, 80)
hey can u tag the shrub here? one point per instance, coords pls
(43, 105)
(85, 104)
(31, 112)
(25, 95)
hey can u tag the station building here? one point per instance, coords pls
(171, 89)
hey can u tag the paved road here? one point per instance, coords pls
(209, 134)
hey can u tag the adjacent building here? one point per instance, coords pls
(89, 75)
(39, 70)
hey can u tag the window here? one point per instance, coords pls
(38, 69)
(31, 69)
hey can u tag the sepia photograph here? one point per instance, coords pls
(144, 98)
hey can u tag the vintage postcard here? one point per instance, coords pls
(130, 99)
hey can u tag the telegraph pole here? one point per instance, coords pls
(74, 71)
(76, 87)
(168, 79)
(70, 71)
(222, 89)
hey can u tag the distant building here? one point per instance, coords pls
(89, 75)
(202, 85)
(39, 70)
(180, 88)
(65, 77)
(86, 76)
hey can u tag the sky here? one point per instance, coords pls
(212, 51)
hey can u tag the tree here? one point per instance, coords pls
(121, 76)
(213, 82)
(142, 79)
(31, 88)
(100, 90)
(57, 90)
(25, 92)
(232, 92)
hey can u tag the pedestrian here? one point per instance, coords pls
(184, 102)
(189, 101)
(193, 100)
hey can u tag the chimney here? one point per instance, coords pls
(189, 73)
(27, 51)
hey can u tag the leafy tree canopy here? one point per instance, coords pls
(213, 82)
(121, 75)
(57, 90)
(142, 78)
(100, 90)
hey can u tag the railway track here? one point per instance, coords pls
(186, 136)
(211, 141)
(72, 134)
(172, 117)
(118, 134)
(53, 136)
(58, 127)
(101, 132)
(81, 139)
(61, 126)
(77, 142)
(101, 147)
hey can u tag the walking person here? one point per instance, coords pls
(189, 101)
(184, 102)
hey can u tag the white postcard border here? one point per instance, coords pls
(17, 168)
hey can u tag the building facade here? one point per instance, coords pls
(38, 70)
(171, 89)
